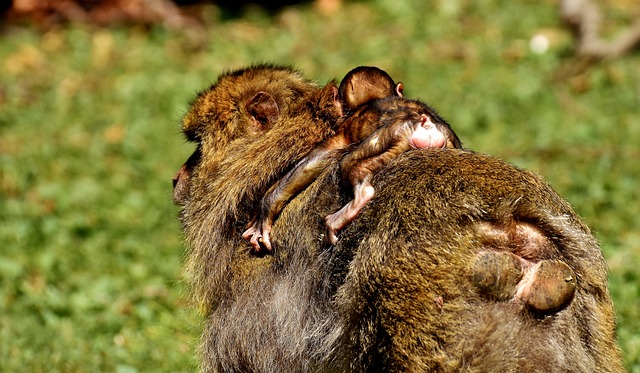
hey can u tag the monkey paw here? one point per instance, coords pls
(331, 236)
(258, 236)
(334, 223)
(544, 287)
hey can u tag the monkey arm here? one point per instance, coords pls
(274, 201)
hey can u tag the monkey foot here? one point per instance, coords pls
(331, 236)
(335, 222)
(544, 287)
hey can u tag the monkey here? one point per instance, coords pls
(384, 125)
(403, 125)
(360, 86)
(445, 270)
(380, 131)
(244, 113)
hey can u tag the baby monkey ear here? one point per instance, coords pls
(400, 89)
(263, 110)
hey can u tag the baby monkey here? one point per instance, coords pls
(381, 124)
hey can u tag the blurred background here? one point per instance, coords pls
(91, 96)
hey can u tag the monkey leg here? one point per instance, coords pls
(363, 192)
(358, 167)
(277, 197)
(544, 287)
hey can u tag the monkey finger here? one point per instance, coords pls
(255, 242)
(248, 234)
(266, 242)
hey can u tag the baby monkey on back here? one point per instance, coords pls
(380, 124)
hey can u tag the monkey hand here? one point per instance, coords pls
(257, 234)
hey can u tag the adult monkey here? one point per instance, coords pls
(449, 268)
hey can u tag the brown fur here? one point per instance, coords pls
(398, 291)
(408, 288)
(236, 161)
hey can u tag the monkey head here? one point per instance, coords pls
(242, 107)
(365, 84)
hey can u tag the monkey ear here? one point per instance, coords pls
(335, 98)
(400, 89)
(263, 109)
(329, 106)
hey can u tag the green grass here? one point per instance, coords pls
(91, 249)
